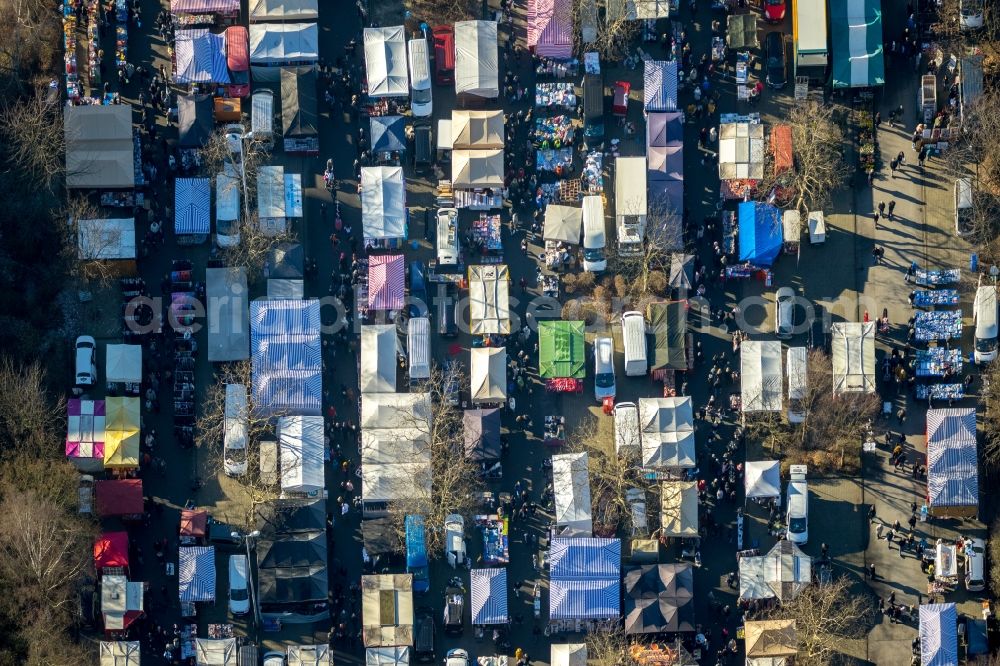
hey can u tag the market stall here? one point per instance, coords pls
(584, 579)
(563, 224)
(489, 299)
(385, 62)
(936, 278)
(378, 359)
(659, 598)
(762, 479)
(760, 233)
(195, 120)
(481, 432)
(85, 434)
(496, 545)
(123, 368)
(561, 350)
(550, 28)
(196, 573)
(192, 209)
(488, 375)
(949, 392)
(285, 353)
(556, 95)
(383, 204)
(200, 57)
(679, 509)
(100, 151)
(111, 551)
(121, 435)
(486, 237)
(282, 44)
(938, 634)
(952, 463)
(667, 433)
(488, 598)
(477, 66)
(301, 454)
(857, 54)
(283, 10)
(668, 326)
(299, 110)
(853, 351)
(925, 298)
(228, 314)
(937, 362)
(476, 130)
(664, 129)
(571, 485)
(741, 155)
(782, 574)
(271, 201)
(659, 87)
(938, 325)
(741, 32)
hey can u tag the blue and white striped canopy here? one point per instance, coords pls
(192, 206)
(489, 596)
(584, 599)
(585, 558)
(200, 57)
(585, 578)
(659, 92)
(196, 573)
(287, 356)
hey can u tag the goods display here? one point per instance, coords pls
(555, 95)
(936, 361)
(938, 325)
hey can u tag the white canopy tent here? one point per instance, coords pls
(667, 432)
(472, 169)
(489, 299)
(228, 312)
(285, 289)
(563, 223)
(300, 441)
(488, 374)
(283, 10)
(106, 239)
(477, 61)
(762, 479)
(568, 654)
(387, 656)
(853, 346)
(120, 653)
(476, 130)
(378, 359)
(119, 598)
(395, 410)
(215, 651)
(383, 202)
(385, 62)
(760, 368)
(679, 509)
(276, 44)
(124, 364)
(571, 486)
(308, 655)
(782, 573)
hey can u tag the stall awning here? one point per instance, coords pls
(387, 656)
(477, 69)
(489, 596)
(679, 509)
(121, 432)
(667, 432)
(762, 479)
(771, 640)
(283, 43)
(760, 233)
(215, 651)
(119, 497)
(111, 550)
(782, 573)
(228, 311)
(853, 347)
(550, 28)
(299, 116)
(192, 206)
(124, 363)
(488, 374)
(659, 598)
(197, 7)
(121, 602)
(282, 10)
(481, 432)
(200, 57)
(741, 151)
(85, 431)
(664, 129)
(938, 634)
(472, 169)
(563, 223)
(378, 358)
(660, 85)
(388, 133)
(99, 146)
(856, 40)
(302, 451)
(489, 299)
(193, 523)
(476, 130)
(952, 459)
(571, 484)
(561, 349)
(668, 325)
(196, 573)
(584, 578)
(286, 356)
(383, 203)
(568, 654)
(195, 120)
(394, 410)
(387, 610)
(665, 162)
(585, 558)
(385, 62)
(781, 147)
(386, 282)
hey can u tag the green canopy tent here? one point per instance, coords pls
(856, 38)
(668, 323)
(560, 350)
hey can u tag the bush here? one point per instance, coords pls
(993, 553)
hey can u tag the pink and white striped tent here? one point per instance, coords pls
(386, 281)
(550, 28)
(85, 432)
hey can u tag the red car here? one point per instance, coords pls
(444, 54)
(238, 61)
(774, 11)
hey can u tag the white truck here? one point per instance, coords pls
(811, 55)
(630, 204)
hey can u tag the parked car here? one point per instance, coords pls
(234, 137)
(239, 587)
(86, 494)
(454, 611)
(423, 635)
(457, 657)
(784, 313)
(86, 361)
(975, 565)
(604, 368)
(774, 11)
(776, 60)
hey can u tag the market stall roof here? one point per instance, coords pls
(659, 598)
(387, 610)
(741, 31)
(667, 427)
(761, 378)
(472, 169)
(664, 128)
(665, 162)
(106, 239)
(760, 233)
(123, 363)
(477, 70)
(476, 130)
(193, 523)
(762, 478)
(396, 482)
(286, 261)
(99, 146)
(196, 573)
(388, 446)
(292, 515)
(282, 10)
(200, 57)
(561, 349)
(387, 656)
(319, 655)
(571, 487)
(121, 432)
(857, 53)
(938, 634)
(741, 151)
(585, 557)
(970, 83)
(215, 651)
(299, 116)
(286, 356)
(563, 223)
(192, 206)
(292, 568)
(195, 120)
(228, 310)
(119, 497)
(111, 550)
(771, 638)
(550, 28)
(489, 299)
(301, 446)
(383, 202)
(388, 133)
(584, 577)
(481, 430)
(85, 433)
(782, 573)
(378, 358)
(196, 7)
(952, 462)
(386, 282)
(380, 537)
(679, 508)
(681, 273)
(279, 289)
(781, 147)
(853, 347)
(283, 43)
(568, 654)
(488, 599)
(385, 62)
(394, 410)
(659, 91)
(121, 602)
(120, 653)
(488, 374)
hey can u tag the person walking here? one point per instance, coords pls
(893, 165)
(901, 158)
(871, 571)
(881, 208)
(875, 218)
(892, 207)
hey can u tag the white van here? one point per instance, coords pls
(975, 565)
(227, 206)
(964, 215)
(970, 14)
(418, 347)
(239, 586)
(262, 116)
(796, 371)
(594, 234)
(421, 98)
(634, 337)
(235, 435)
(447, 236)
(798, 505)
(984, 311)
(627, 427)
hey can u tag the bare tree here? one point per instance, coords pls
(443, 12)
(614, 34)
(646, 273)
(607, 646)
(30, 418)
(255, 484)
(825, 617)
(454, 478)
(253, 248)
(89, 247)
(30, 44)
(218, 151)
(818, 166)
(33, 130)
(989, 451)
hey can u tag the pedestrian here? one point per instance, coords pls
(878, 531)
(871, 571)
(893, 165)
(901, 158)
(875, 217)
(881, 208)
(888, 538)
(921, 156)
(871, 513)
(892, 207)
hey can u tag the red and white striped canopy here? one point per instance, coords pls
(386, 282)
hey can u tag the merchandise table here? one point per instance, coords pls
(486, 232)
(940, 391)
(938, 325)
(936, 278)
(555, 96)
(926, 297)
(554, 132)
(559, 161)
(934, 362)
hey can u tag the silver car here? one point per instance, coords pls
(604, 368)
(784, 313)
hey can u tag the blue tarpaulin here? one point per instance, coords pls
(388, 133)
(760, 233)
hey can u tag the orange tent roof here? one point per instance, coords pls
(193, 523)
(781, 146)
(111, 550)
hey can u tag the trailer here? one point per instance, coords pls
(811, 55)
